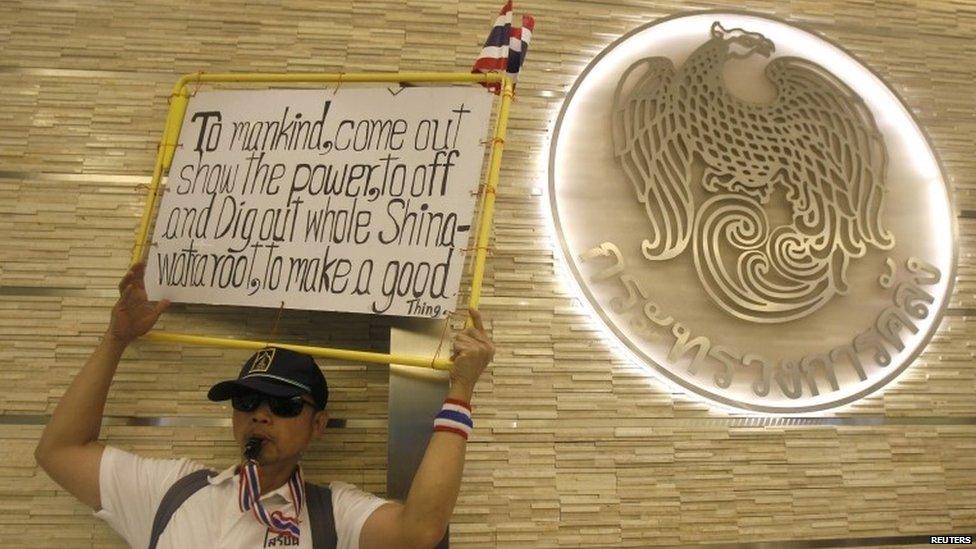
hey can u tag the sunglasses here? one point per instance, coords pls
(279, 406)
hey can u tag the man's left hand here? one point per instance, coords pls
(471, 353)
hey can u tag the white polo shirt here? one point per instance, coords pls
(132, 487)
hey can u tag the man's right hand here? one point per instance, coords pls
(69, 449)
(133, 315)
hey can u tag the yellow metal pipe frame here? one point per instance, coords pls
(341, 354)
(164, 158)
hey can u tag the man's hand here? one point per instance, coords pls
(133, 315)
(471, 353)
(69, 450)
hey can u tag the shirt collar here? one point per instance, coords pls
(230, 474)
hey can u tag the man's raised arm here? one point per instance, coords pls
(69, 450)
(422, 519)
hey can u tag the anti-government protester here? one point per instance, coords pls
(279, 406)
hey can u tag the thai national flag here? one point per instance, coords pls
(518, 46)
(495, 55)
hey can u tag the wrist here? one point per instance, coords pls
(460, 391)
(455, 418)
(114, 342)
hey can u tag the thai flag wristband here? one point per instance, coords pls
(454, 417)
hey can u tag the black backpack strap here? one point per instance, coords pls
(180, 491)
(321, 517)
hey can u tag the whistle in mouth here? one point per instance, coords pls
(252, 449)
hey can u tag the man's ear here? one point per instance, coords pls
(319, 422)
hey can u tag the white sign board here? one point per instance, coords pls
(353, 200)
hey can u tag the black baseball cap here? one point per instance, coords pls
(276, 372)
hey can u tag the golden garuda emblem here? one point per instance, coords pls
(706, 166)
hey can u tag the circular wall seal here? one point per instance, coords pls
(752, 212)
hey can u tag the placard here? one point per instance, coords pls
(355, 199)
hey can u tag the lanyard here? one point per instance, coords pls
(250, 499)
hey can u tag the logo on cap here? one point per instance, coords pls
(262, 361)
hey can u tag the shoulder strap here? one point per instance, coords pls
(321, 517)
(179, 492)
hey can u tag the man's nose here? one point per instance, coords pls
(262, 414)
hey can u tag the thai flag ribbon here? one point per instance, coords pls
(250, 500)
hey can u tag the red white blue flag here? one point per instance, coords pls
(505, 48)
(518, 46)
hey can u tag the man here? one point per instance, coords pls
(279, 400)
